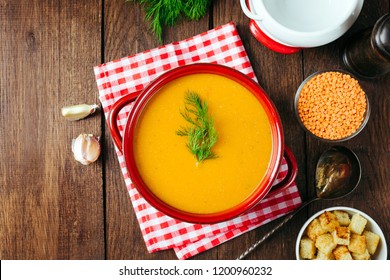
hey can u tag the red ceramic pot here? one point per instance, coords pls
(268, 42)
(125, 144)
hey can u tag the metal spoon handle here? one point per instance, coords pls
(280, 225)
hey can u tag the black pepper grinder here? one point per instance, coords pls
(367, 54)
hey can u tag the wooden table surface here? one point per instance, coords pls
(52, 207)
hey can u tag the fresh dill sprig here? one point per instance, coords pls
(161, 13)
(195, 9)
(201, 131)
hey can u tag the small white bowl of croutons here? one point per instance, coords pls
(341, 233)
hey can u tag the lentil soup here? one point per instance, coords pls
(243, 149)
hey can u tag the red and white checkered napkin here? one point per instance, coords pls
(221, 45)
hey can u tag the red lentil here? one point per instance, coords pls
(332, 105)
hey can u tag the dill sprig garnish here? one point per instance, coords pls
(163, 13)
(201, 131)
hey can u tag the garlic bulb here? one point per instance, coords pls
(78, 112)
(86, 148)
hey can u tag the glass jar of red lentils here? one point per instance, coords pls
(332, 106)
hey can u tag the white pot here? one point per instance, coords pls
(303, 23)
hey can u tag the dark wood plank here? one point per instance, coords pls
(123, 236)
(51, 206)
(372, 144)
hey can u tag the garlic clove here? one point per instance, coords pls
(78, 112)
(86, 148)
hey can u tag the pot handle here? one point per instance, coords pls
(291, 175)
(247, 12)
(270, 43)
(113, 114)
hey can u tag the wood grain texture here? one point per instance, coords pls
(52, 207)
(123, 236)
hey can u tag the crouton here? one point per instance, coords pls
(342, 217)
(342, 253)
(357, 224)
(328, 221)
(307, 250)
(357, 244)
(314, 230)
(341, 235)
(338, 235)
(322, 256)
(372, 240)
(325, 243)
(365, 256)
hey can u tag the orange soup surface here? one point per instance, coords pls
(243, 148)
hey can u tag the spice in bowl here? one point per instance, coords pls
(332, 105)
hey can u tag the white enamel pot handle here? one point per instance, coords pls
(247, 12)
